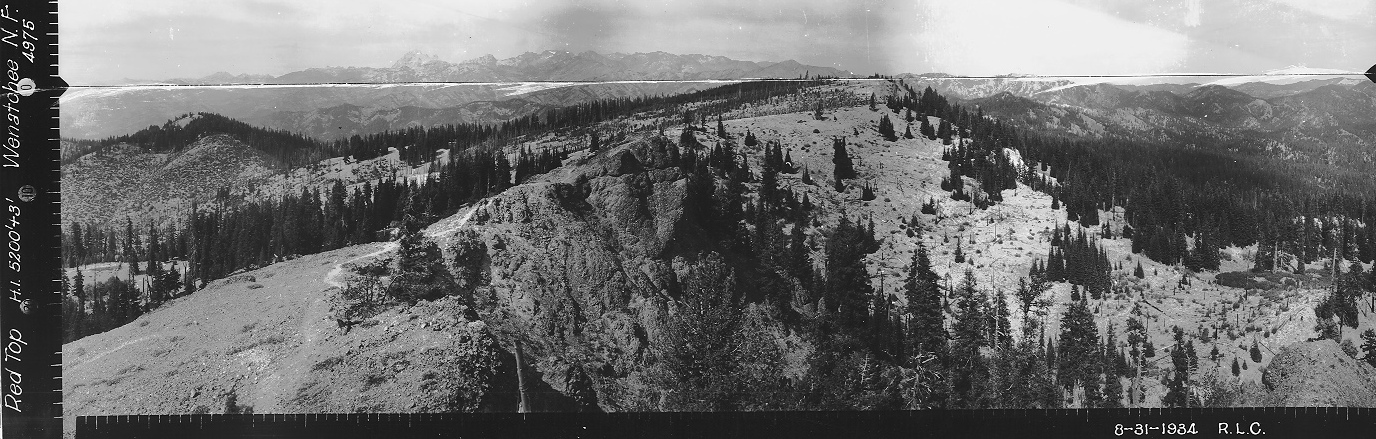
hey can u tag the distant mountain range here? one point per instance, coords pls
(1331, 121)
(1303, 114)
(549, 65)
(374, 104)
(1261, 86)
(1314, 107)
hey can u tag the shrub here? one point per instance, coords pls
(363, 299)
(1349, 348)
(326, 363)
(471, 376)
(232, 406)
(372, 381)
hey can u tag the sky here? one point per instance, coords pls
(104, 41)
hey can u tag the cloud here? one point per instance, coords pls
(159, 39)
(1036, 36)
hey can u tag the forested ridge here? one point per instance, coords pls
(946, 343)
(236, 234)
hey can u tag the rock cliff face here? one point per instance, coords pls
(1318, 373)
(576, 268)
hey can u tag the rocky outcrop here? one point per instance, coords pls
(1318, 373)
(578, 271)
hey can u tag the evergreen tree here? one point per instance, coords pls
(925, 129)
(969, 374)
(77, 247)
(687, 140)
(700, 341)
(944, 131)
(1079, 354)
(1093, 389)
(1032, 288)
(1113, 391)
(1178, 388)
(800, 256)
(848, 283)
(841, 158)
(1001, 321)
(923, 294)
(1368, 346)
(886, 128)
(1255, 351)
(419, 266)
(131, 245)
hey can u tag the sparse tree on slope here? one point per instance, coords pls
(841, 158)
(886, 128)
(925, 129)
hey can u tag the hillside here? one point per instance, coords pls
(126, 181)
(286, 356)
(609, 270)
(1327, 125)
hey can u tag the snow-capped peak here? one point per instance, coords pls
(414, 59)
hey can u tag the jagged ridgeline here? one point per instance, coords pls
(722, 267)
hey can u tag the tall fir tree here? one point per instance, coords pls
(968, 371)
(923, 294)
(1079, 353)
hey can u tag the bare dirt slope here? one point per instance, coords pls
(267, 336)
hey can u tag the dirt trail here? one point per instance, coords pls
(463, 221)
(315, 325)
(332, 277)
(110, 351)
